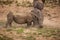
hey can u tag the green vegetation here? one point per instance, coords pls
(3, 37)
(21, 30)
(24, 4)
(48, 3)
(8, 30)
(30, 38)
(1, 23)
(49, 32)
(33, 34)
(6, 2)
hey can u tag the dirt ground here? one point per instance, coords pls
(52, 17)
(51, 20)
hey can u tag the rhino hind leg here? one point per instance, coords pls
(9, 23)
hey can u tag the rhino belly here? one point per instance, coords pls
(20, 20)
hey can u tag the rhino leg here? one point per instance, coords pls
(9, 23)
(28, 24)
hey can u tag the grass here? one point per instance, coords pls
(21, 30)
(44, 32)
(24, 4)
(49, 32)
(3, 37)
(8, 30)
(34, 33)
(1, 23)
(30, 38)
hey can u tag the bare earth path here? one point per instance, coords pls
(51, 23)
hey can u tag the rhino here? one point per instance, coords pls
(20, 19)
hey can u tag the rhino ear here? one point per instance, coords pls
(43, 1)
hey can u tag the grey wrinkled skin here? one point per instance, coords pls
(28, 19)
(38, 5)
(37, 11)
(38, 17)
